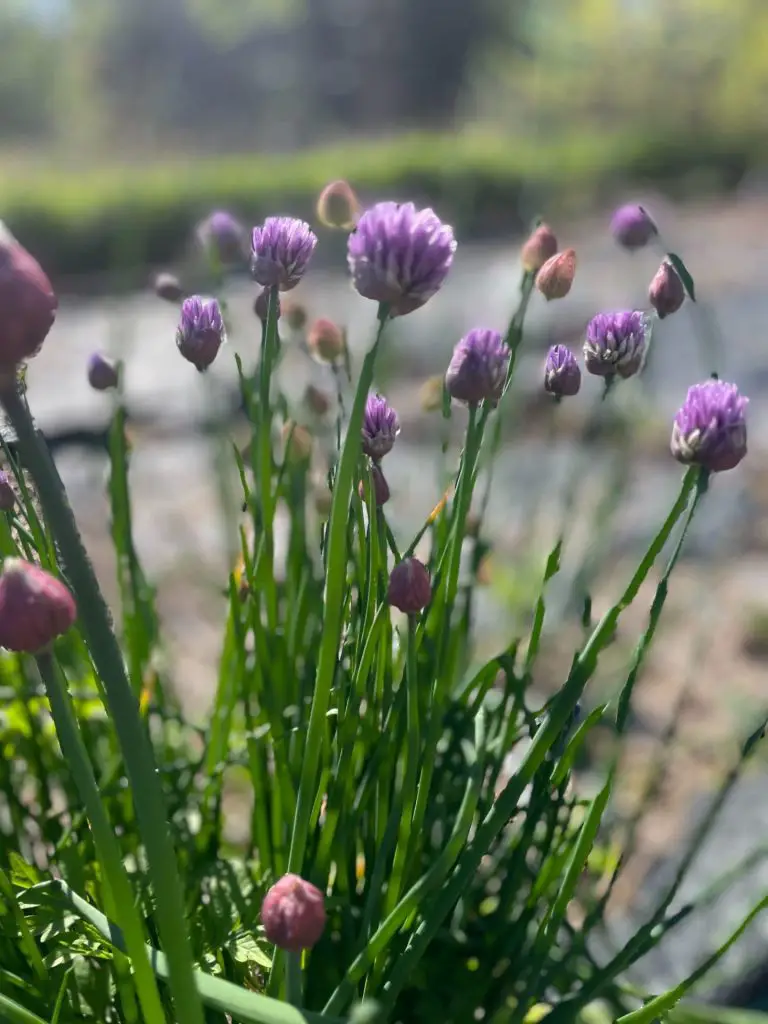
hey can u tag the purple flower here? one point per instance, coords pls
(410, 589)
(224, 235)
(380, 427)
(632, 226)
(562, 375)
(201, 332)
(400, 256)
(281, 250)
(478, 367)
(710, 429)
(616, 343)
(102, 373)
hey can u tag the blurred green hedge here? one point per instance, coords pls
(120, 222)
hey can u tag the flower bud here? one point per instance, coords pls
(35, 607)
(298, 443)
(556, 276)
(478, 367)
(562, 375)
(380, 427)
(168, 287)
(380, 486)
(540, 247)
(632, 226)
(338, 206)
(201, 331)
(102, 373)
(410, 589)
(261, 306)
(27, 305)
(431, 394)
(316, 401)
(295, 315)
(224, 236)
(293, 914)
(666, 291)
(326, 341)
(7, 494)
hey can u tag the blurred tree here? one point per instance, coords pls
(29, 61)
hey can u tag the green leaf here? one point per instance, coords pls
(684, 275)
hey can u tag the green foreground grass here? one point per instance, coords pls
(121, 221)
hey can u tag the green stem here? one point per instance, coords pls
(123, 898)
(293, 979)
(140, 765)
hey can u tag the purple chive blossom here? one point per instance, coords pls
(562, 375)
(632, 226)
(478, 367)
(710, 429)
(380, 427)
(616, 343)
(224, 235)
(400, 256)
(200, 333)
(281, 250)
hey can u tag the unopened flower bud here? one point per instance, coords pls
(316, 401)
(167, 286)
(27, 305)
(201, 332)
(298, 443)
(261, 306)
(380, 427)
(7, 494)
(325, 341)
(102, 373)
(293, 914)
(380, 486)
(295, 315)
(35, 607)
(666, 291)
(555, 278)
(410, 589)
(632, 226)
(710, 429)
(540, 247)
(338, 206)
(562, 375)
(478, 367)
(431, 394)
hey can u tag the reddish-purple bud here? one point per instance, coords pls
(410, 589)
(35, 607)
(666, 291)
(102, 373)
(293, 914)
(555, 278)
(27, 305)
(632, 226)
(540, 247)
(318, 402)
(168, 287)
(261, 305)
(7, 493)
(326, 341)
(338, 206)
(380, 486)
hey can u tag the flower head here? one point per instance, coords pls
(632, 226)
(224, 235)
(540, 247)
(168, 286)
(616, 343)
(380, 427)
(27, 304)
(400, 256)
(338, 206)
(666, 292)
(201, 332)
(710, 429)
(293, 914)
(555, 278)
(381, 492)
(7, 493)
(478, 367)
(562, 375)
(326, 341)
(409, 589)
(102, 372)
(35, 607)
(281, 250)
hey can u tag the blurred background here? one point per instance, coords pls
(123, 122)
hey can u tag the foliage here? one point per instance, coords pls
(433, 800)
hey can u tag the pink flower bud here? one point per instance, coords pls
(293, 914)
(27, 302)
(295, 315)
(555, 278)
(380, 486)
(326, 341)
(35, 607)
(261, 305)
(338, 206)
(168, 287)
(540, 247)
(666, 291)
(409, 587)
